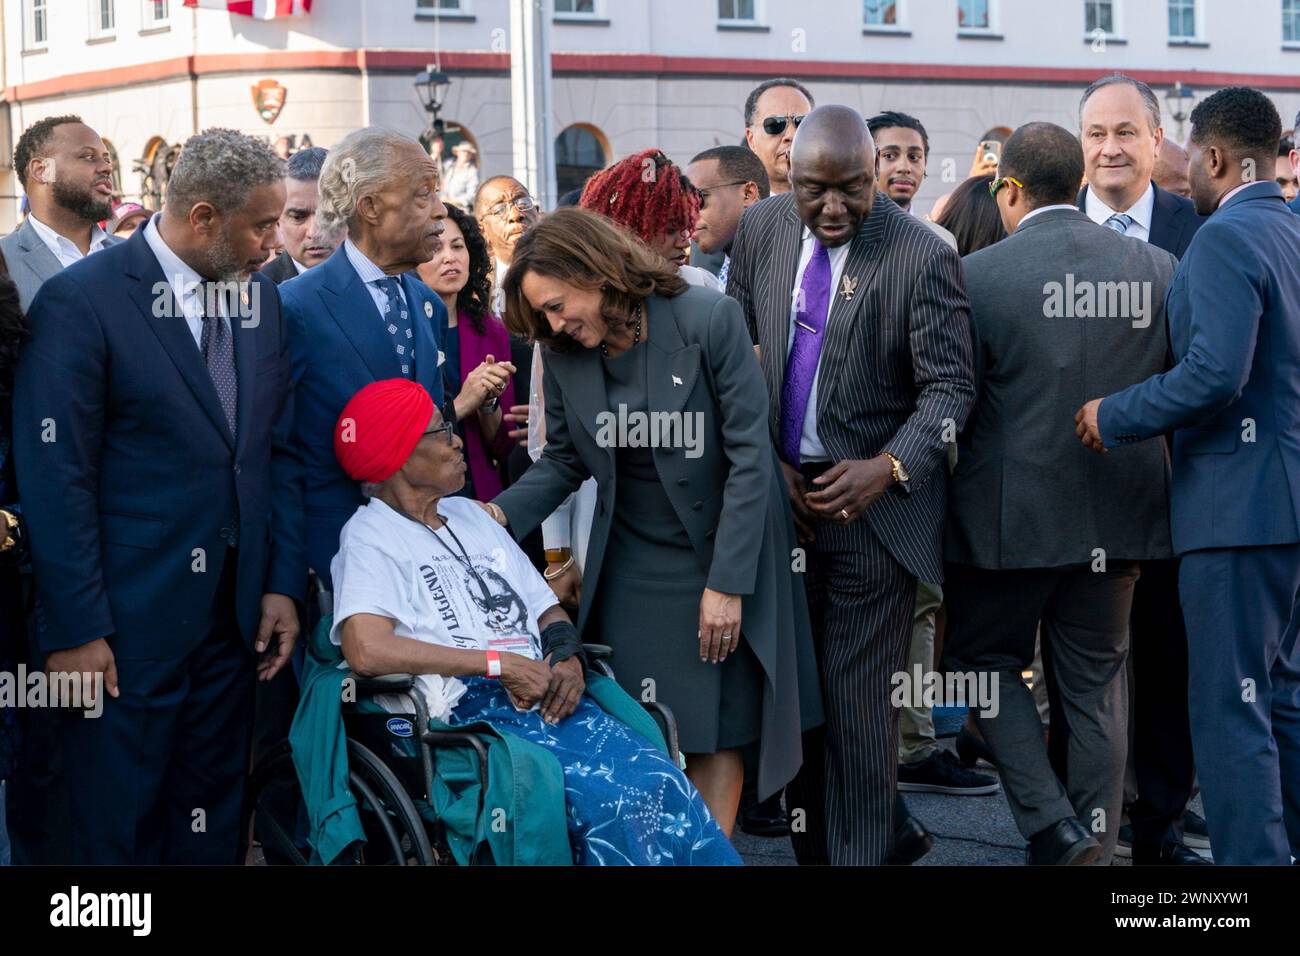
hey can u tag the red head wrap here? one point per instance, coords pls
(380, 427)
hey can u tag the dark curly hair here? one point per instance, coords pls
(646, 194)
(13, 332)
(35, 141)
(1240, 119)
(476, 298)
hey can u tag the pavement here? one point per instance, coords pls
(967, 831)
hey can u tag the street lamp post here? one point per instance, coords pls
(1179, 99)
(431, 86)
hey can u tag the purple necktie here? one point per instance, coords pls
(801, 367)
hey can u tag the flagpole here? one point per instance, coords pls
(530, 98)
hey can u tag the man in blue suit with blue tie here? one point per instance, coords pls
(151, 436)
(1231, 403)
(362, 315)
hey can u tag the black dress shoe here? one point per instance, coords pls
(765, 818)
(1066, 842)
(911, 842)
(971, 750)
(1167, 854)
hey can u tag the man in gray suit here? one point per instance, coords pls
(67, 173)
(861, 320)
(1038, 530)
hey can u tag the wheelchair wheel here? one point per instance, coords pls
(395, 832)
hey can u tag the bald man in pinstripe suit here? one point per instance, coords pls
(862, 322)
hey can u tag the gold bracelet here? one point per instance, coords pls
(552, 575)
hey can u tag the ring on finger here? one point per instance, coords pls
(844, 514)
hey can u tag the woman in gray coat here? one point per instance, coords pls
(652, 388)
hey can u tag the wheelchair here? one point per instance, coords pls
(391, 763)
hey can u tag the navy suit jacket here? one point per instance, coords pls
(1231, 398)
(1173, 221)
(1295, 205)
(130, 480)
(339, 345)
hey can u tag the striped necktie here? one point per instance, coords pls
(1119, 222)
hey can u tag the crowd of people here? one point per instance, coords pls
(1043, 445)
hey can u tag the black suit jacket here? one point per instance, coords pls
(1173, 220)
(281, 269)
(132, 505)
(895, 369)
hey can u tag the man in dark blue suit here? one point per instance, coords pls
(362, 315)
(1119, 127)
(151, 433)
(1231, 404)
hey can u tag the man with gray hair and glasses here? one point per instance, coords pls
(363, 314)
(1119, 126)
(151, 423)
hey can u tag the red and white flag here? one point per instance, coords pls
(261, 9)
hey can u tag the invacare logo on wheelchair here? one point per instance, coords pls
(83, 691)
(75, 908)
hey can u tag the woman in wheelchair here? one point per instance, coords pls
(430, 585)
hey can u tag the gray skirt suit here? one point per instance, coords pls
(675, 517)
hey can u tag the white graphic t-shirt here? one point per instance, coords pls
(393, 567)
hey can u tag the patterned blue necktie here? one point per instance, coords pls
(1119, 222)
(218, 353)
(724, 271)
(397, 319)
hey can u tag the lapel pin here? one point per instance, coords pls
(428, 310)
(676, 381)
(243, 297)
(847, 288)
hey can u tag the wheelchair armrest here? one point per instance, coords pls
(597, 652)
(384, 684)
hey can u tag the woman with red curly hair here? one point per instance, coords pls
(650, 197)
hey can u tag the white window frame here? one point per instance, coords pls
(990, 30)
(97, 29)
(29, 25)
(899, 25)
(597, 13)
(760, 17)
(1116, 20)
(1198, 24)
(148, 21)
(1293, 44)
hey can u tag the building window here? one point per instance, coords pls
(439, 6)
(580, 150)
(974, 15)
(155, 14)
(880, 13)
(1182, 20)
(577, 9)
(103, 20)
(1291, 21)
(737, 11)
(1099, 15)
(37, 25)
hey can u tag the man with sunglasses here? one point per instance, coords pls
(1039, 532)
(730, 180)
(773, 111)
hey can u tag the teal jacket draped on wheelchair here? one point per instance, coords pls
(534, 835)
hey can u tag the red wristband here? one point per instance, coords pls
(493, 663)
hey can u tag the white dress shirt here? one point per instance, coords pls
(1141, 211)
(1060, 205)
(371, 274)
(298, 266)
(64, 249)
(810, 446)
(187, 285)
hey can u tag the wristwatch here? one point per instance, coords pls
(901, 477)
